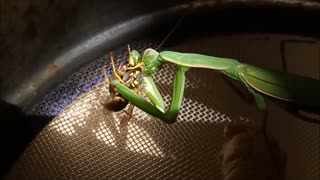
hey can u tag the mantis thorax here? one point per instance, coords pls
(152, 61)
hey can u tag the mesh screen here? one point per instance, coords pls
(84, 140)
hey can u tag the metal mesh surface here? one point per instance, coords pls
(84, 140)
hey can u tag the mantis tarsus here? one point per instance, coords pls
(259, 81)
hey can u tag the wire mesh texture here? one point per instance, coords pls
(84, 140)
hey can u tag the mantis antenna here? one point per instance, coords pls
(170, 33)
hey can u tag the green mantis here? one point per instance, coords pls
(259, 82)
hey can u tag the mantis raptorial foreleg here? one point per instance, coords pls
(259, 82)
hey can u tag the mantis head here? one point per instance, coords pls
(152, 61)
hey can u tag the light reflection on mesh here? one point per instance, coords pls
(85, 142)
(77, 145)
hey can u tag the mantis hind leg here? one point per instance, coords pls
(259, 99)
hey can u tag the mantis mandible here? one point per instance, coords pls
(259, 82)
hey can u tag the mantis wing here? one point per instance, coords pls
(288, 87)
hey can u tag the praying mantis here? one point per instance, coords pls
(260, 82)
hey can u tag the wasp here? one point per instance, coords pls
(130, 75)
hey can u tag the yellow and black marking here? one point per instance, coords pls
(131, 75)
